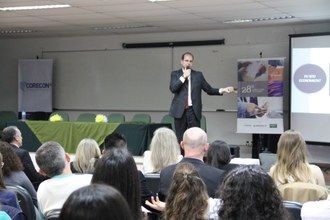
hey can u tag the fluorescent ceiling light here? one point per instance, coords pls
(121, 27)
(34, 7)
(159, 0)
(237, 21)
(242, 20)
(18, 31)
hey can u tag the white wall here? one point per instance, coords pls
(239, 43)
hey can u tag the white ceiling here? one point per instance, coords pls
(177, 15)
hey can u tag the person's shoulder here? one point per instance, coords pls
(197, 72)
(271, 170)
(176, 71)
(213, 169)
(8, 193)
(168, 169)
(85, 177)
(17, 175)
(21, 151)
(147, 153)
(82, 176)
(314, 168)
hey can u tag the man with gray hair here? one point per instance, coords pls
(195, 145)
(55, 163)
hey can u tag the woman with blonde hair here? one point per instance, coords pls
(164, 151)
(87, 152)
(291, 164)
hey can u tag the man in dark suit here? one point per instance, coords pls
(195, 145)
(13, 136)
(187, 84)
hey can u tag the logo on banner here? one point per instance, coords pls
(35, 85)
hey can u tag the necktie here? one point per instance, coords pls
(187, 85)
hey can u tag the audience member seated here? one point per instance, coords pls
(8, 201)
(195, 145)
(7, 197)
(118, 141)
(13, 171)
(249, 193)
(164, 151)
(316, 210)
(13, 136)
(114, 140)
(87, 152)
(96, 201)
(218, 155)
(187, 197)
(292, 164)
(55, 163)
(117, 168)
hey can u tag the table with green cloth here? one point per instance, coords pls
(69, 134)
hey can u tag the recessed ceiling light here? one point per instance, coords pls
(34, 7)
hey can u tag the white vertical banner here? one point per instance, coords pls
(35, 78)
(260, 95)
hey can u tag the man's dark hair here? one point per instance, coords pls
(115, 140)
(187, 53)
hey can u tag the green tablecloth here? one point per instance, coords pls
(69, 134)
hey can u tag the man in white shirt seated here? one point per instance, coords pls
(55, 163)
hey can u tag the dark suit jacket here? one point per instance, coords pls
(211, 176)
(198, 83)
(29, 169)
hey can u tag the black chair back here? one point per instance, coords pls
(25, 201)
(153, 180)
(53, 214)
(294, 209)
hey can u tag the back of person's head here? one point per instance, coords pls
(9, 134)
(86, 150)
(164, 148)
(117, 168)
(115, 140)
(292, 159)
(95, 201)
(11, 161)
(51, 159)
(291, 144)
(248, 192)
(218, 154)
(194, 141)
(2, 184)
(187, 197)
